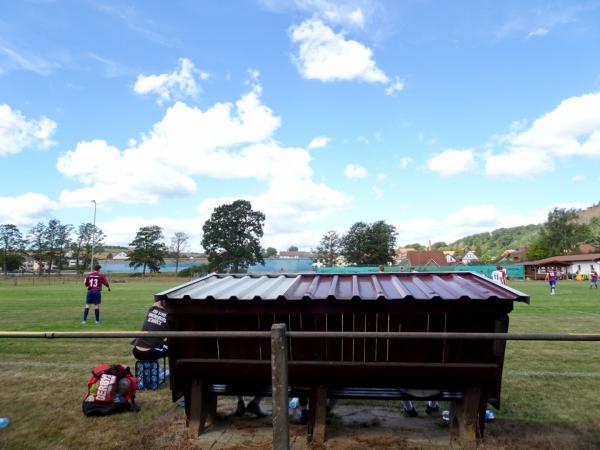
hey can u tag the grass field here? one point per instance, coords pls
(550, 398)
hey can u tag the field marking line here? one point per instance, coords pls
(530, 373)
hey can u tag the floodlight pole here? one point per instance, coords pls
(93, 238)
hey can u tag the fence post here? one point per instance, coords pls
(279, 381)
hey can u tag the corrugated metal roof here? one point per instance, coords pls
(379, 286)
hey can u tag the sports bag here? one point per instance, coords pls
(110, 390)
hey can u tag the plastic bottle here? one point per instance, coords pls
(489, 415)
(293, 403)
(446, 415)
(4, 422)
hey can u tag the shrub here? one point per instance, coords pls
(194, 271)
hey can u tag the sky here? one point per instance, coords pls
(441, 118)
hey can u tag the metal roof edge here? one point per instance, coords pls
(163, 295)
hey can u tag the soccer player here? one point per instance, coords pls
(593, 277)
(94, 281)
(498, 275)
(552, 277)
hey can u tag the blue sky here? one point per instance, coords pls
(444, 119)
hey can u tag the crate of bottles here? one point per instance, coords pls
(150, 375)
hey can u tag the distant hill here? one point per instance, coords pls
(489, 246)
(586, 215)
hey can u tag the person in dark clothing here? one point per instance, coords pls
(151, 348)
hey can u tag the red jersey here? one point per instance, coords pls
(552, 275)
(594, 275)
(94, 281)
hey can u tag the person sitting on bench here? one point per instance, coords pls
(152, 348)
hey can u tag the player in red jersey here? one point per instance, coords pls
(593, 277)
(552, 277)
(94, 281)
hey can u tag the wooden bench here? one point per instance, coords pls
(466, 372)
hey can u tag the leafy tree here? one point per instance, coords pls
(416, 246)
(11, 261)
(232, 236)
(439, 245)
(292, 248)
(57, 239)
(561, 233)
(536, 250)
(37, 244)
(270, 252)
(329, 248)
(12, 243)
(148, 250)
(86, 235)
(178, 246)
(369, 243)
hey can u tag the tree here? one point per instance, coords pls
(292, 248)
(37, 244)
(86, 235)
(369, 243)
(329, 248)
(561, 233)
(12, 246)
(57, 239)
(232, 236)
(148, 250)
(178, 246)
(439, 245)
(270, 252)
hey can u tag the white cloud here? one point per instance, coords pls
(352, 13)
(452, 162)
(319, 142)
(469, 220)
(571, 129)
(25, 209)
(355, 172)
(178, 84)
(381, 176)
(404, 162)
(328, 56)
(577, 178)
(17, 133)
(395, 85)
(226, 141)
(538, 32)
(377, 192)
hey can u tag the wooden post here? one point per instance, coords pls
(320, 414)
(464, 420)
(202, 405)
(279, 381)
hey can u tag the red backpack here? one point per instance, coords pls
(110, 390)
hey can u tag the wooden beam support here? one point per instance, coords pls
(465, 419)
(202, 404)
(318, 414)
(279, 383)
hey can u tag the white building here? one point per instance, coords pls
(122, 256)
(470, 258)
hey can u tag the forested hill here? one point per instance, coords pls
(489, 246)
(586, 215)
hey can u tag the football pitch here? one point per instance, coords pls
(550, 394)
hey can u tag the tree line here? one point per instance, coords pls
(231, 238)
(52, 244)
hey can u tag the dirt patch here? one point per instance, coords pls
(352, 427)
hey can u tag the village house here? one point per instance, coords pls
(469, 258)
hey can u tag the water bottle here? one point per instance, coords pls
(446, 415)
(4, 422)
(293, 403)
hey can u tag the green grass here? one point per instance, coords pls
(547, 386)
